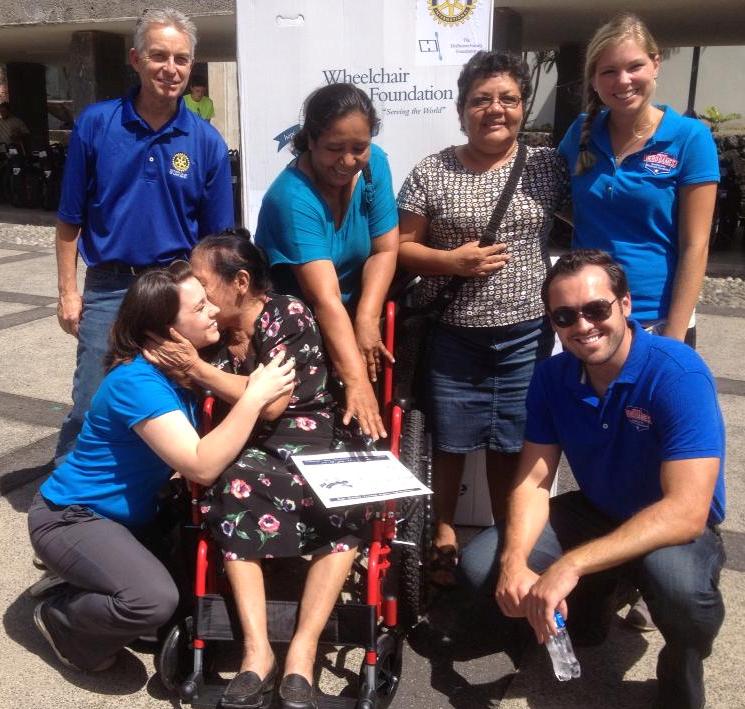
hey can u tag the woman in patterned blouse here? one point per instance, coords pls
(490, 337)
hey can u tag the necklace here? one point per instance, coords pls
(640, 133)
(631, 143)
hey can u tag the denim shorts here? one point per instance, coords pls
(478, 380)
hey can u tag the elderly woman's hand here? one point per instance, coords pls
(371, 347)
(176, 357)
(472, 260)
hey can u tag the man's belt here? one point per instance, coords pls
(121, 269)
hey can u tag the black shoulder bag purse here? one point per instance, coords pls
(415, 324)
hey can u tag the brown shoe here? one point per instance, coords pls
(640, 618)
(442, 563)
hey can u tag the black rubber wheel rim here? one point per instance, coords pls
(389, 649)
(175, 658)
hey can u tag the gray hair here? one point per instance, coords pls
(164, 16)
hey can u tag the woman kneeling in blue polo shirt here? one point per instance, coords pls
(644, 179)
(87, 520)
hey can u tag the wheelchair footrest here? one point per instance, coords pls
(208, 696)
(349, 623)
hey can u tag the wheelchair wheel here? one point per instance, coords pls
(413, 531)
(389, 648)
(175, 659)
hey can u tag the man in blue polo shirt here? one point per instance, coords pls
(638, 420)
(144, 180)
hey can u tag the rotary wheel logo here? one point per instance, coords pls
(180, 162)
(451, 12)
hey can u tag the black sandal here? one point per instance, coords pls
(442, 563)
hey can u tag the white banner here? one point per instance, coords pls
(288, 48)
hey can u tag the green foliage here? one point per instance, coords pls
(716, 117)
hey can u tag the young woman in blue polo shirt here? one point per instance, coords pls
(643, 178)
(329, 227)
(90, 518)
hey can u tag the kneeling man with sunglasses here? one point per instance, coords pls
(638, 420)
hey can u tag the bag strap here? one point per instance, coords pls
(450, 290)
(368, 197)
(489, 236)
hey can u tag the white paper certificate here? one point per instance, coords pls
(342, 479)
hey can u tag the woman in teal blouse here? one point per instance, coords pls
(329, 226)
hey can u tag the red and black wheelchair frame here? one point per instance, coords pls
(391, 567)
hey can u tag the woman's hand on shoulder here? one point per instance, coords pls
(471, 260)
(177, 358)
(268, 383)
(370, 344)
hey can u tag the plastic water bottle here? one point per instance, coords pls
(560, 649)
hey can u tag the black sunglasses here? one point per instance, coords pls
(594, 311)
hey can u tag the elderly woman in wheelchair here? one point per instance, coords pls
(90, 518)
(260, 507)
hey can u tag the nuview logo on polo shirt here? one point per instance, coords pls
(660, 163)
(639, 418)
(180, 165)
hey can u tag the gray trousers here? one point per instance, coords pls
(117, 589)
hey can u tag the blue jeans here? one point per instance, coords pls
(679, 583)
(102, 295)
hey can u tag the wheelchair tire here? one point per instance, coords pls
(415, 520)
(175, 658)
(389, 648)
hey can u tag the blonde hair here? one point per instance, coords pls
(619, 29)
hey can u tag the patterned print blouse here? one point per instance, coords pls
(458, 204)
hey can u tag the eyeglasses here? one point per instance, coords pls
(595, 311)
(481, 103)
(181, 60)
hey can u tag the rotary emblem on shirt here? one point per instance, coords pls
(638, 418)
(659, 163)
(451, 12)
(180, 162)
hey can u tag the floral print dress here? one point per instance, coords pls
(260, 507)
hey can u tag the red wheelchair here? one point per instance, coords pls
(389, 573)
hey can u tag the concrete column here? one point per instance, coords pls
(27, 91)
(223, 90)
(507, 30)
(569, 68)
(98, 62)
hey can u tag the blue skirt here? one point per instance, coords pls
(478, 381)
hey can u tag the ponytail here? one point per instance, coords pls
(586, 158)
